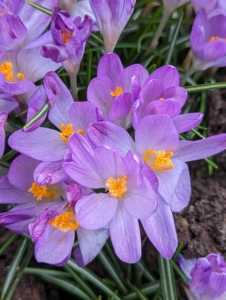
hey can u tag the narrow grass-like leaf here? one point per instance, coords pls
(112, 256)
(146, 289)
(205, 87)
(26, 261)
(167, 279)
(106, 263)
(45, 108)
(8, 242)
(173, 42)
(91, 277)
(147, 274)
(48, 272)
(138, 292)
(179, 272)
(13, 268)
(67, 286)
(89, 66)
(39, 7)
(178, 251)
(80, 282)
(4, 164)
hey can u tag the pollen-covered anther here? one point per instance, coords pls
(7, 70)
(67, 131)
(66, 36)
(40, 191)
(161, 99)
(117, 91)
(216, 38)
(82, 132)
(117, 187)
(159, 160)
(65, 222)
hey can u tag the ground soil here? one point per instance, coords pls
(201, 226)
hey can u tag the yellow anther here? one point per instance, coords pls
(82, 132)
(118, 91)
(67, 131)
(161, 99)
(66, 36)
(7, 70)
(41, 191)
(117, 187)
(159, 160)
(65, 222)
(216, 38)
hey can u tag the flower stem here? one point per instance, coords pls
(188, 74)
(74, 90)
(162, 24)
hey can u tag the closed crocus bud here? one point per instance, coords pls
(206, 276)
(111, 17)
(208, 41)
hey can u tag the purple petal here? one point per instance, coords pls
(120, 107)
(186, 265)
(156, 132)
(96, 210)
(178, 93)
(54, 246)
(109, 66)
(44, 144)
(168, 75)
(160, 229)
(168, 107)
(194, 150)
(125, 235)
(186, 122)
(90, 244)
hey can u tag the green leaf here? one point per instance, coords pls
(146, 272)
(167, 279)
(91, 277)
(138, 292)
(9, 241)
(106, 263)
(13, 268)
(39, 7)
(45, 108)
(205, 87)
(89, 66)
(146, 289)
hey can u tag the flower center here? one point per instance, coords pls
(65, 222)
(7, 70)
(159, 160)
(43, 191)
(66, 36)
(118, 91)
(216, 38)
(117, 187)
(67, 131)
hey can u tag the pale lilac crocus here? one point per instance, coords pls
(162, 94)
(208, 41)
(111, 18)
(19, 187)
(129, 195)
(157, 144)
(206, 275)
(115, 89)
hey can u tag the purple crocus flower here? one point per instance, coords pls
(157, 144)
(54, 234)
(130, 195)
(69, 36)
(206, 275)
(111, 17)
(115, 89)
(208, 41)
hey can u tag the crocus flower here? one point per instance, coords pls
(112, 17)
(157, 144)
(69, 36)
(54, 233)
(206, 275)
(208, 41)
(115, 89)
(129, 194)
